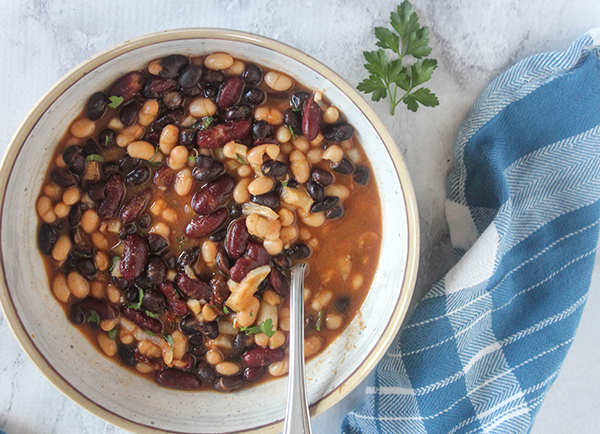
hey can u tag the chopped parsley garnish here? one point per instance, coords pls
(139, 303)
(94, 318)
(152, 314)
(226, 310)
(148, 332)
(192, 159)
(320, 320)
(240, 159)
(168, 338)
(80, 254)
(106, 139)
(115, 101)
(292, 133)
(113, 262)
(154, 156)
(112, 334)
(206, 122)
(95, 157)
(265, 327)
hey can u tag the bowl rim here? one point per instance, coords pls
(75, 74)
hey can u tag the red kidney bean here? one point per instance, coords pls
(127, 354)
(157, 364)
(135, 206)
(177, 379)
(223, 261)
(177, 306)
(345, 166)
(47, 238)
(255, 373)
(325, 204)
(220, 290)
(104, 310)
(163, 177)
(188, 257)
(311, 119)
(193, 288)
(230, 92)
(142, 321)
(63, 178)
(279, 282)
(128, 86)
(258, 356)
(256, 256)
(361, 175)
(115, 191)
(237, 239)
(156, 243)
(228, 384)
(96, 106)
(157, 270)
(252, 74)
(190, 76)
(156, 87)
(321, 177)
(212, 195)
(153, 301)
(217, 136)
(172, 65)
(204, 225)
(135, 255)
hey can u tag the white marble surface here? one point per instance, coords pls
(473, 41)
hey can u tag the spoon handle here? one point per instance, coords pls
(297, 417)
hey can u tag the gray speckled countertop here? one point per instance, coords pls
(473, 41)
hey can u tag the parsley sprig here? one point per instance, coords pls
(265, 327)
(390, 78)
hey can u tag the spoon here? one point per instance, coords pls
(297, 418)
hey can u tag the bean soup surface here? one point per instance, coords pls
(176, 204)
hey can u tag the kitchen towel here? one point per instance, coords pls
(485, 344)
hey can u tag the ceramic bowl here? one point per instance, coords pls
(100, 385)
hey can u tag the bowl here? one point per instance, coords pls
(132, 402)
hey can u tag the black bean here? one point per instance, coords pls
(207, 169)
(240, 343)
(156, 270)
(239, 112)
(210, 329)
(109, 168)
(228, 384)
(292, 120)
(74, 158)
(143, 281)
(197, 350)
(345, 167)
(192, 91)
(235, 211)
(314, 190)
(46, 238)
(145, 220)
(171, 262)
(274, 169)
(270, 199)
(361, 175)
(293, 182)
(325, 204)
(63, 178)
(338, 132)
(127, 163)
(126, 230)
(322, 177)
(172, 65)
(190, 76)
(89, 147)
(297, 100)
(254, 96)
(153, 301)
(77, 314)
(188, 257)
(334, 213)
(223, 261)
(211, 91)
(187, 137)
(171, 117)
(213, 76)
(129, 113)
(69, 263)
(96, 106)
(189, 325)
(156, 243)
(120, 283)
(252, 74)
(173, 99)
(261, 129)
(138, 176)
(132, 295)
(219, 235)
(342, 304)
(87, 268)
(127, 354)
(107, 138)
(299, 251)
(206, 373)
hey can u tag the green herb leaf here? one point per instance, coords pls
(192, 159)
(386, 75)
(95, 157)
(148, 332)
(113, 262)
(154, 156)
(292, 133)
(80, 254)
(106, 140)
(112, 334)
(115, 101)
(226, 310)
(265, 327)
(156, 164)
(240, 159)
(168, 338)
(93, 318)
(152, 314)
(320, 320)
(139, 302)
(251, 313)
(206, 122)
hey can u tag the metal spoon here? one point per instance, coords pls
(297, 417)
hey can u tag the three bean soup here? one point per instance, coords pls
(178, 201)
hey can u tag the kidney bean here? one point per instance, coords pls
(135, 206)
(213, 76)
(87, 268)
(297, 100)
(156, 87)
(325, 204)
(73, 157)
(129, 113)
(96, 106)
(156, 243)
(107, 138)
(193, 288)
(207, 169)
(153, 301)
(77, 314)
(282, 261)
(223, 261)
(342, 304)
(141, 320)
(187, 137)
(204, 225)
(163, 177)
(128, 86)
(135, 256)
(279, 282)
(256, 256)
(293, 120)
(127, 354)
(177, 306)
(252, 74)
(47, 238)
(210, 329)
(188, 257)
(138, 176)
(270, 199)
(196, 346)
(255, 373)
(206, 373)
(238, 112)
(104, 310)
(230, 92)
(311, 119)
(217, 136)
(338, 131)
(262, 356)
(334, 213)
(219, 235)
(156, 270)
(321, 177)
(262, 129)
(345, 167)
(254, 96)
(237, 239)
(172, 65)
(361, 175)
(63, 178)
(220, 290)
(229, 384)
(177, 379)
(299, 251)
(156, 364)
(115, 190)
(212, 195)
(190, 76)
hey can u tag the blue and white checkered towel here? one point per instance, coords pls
(486, 343)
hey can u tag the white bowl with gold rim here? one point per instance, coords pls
(104, 388)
